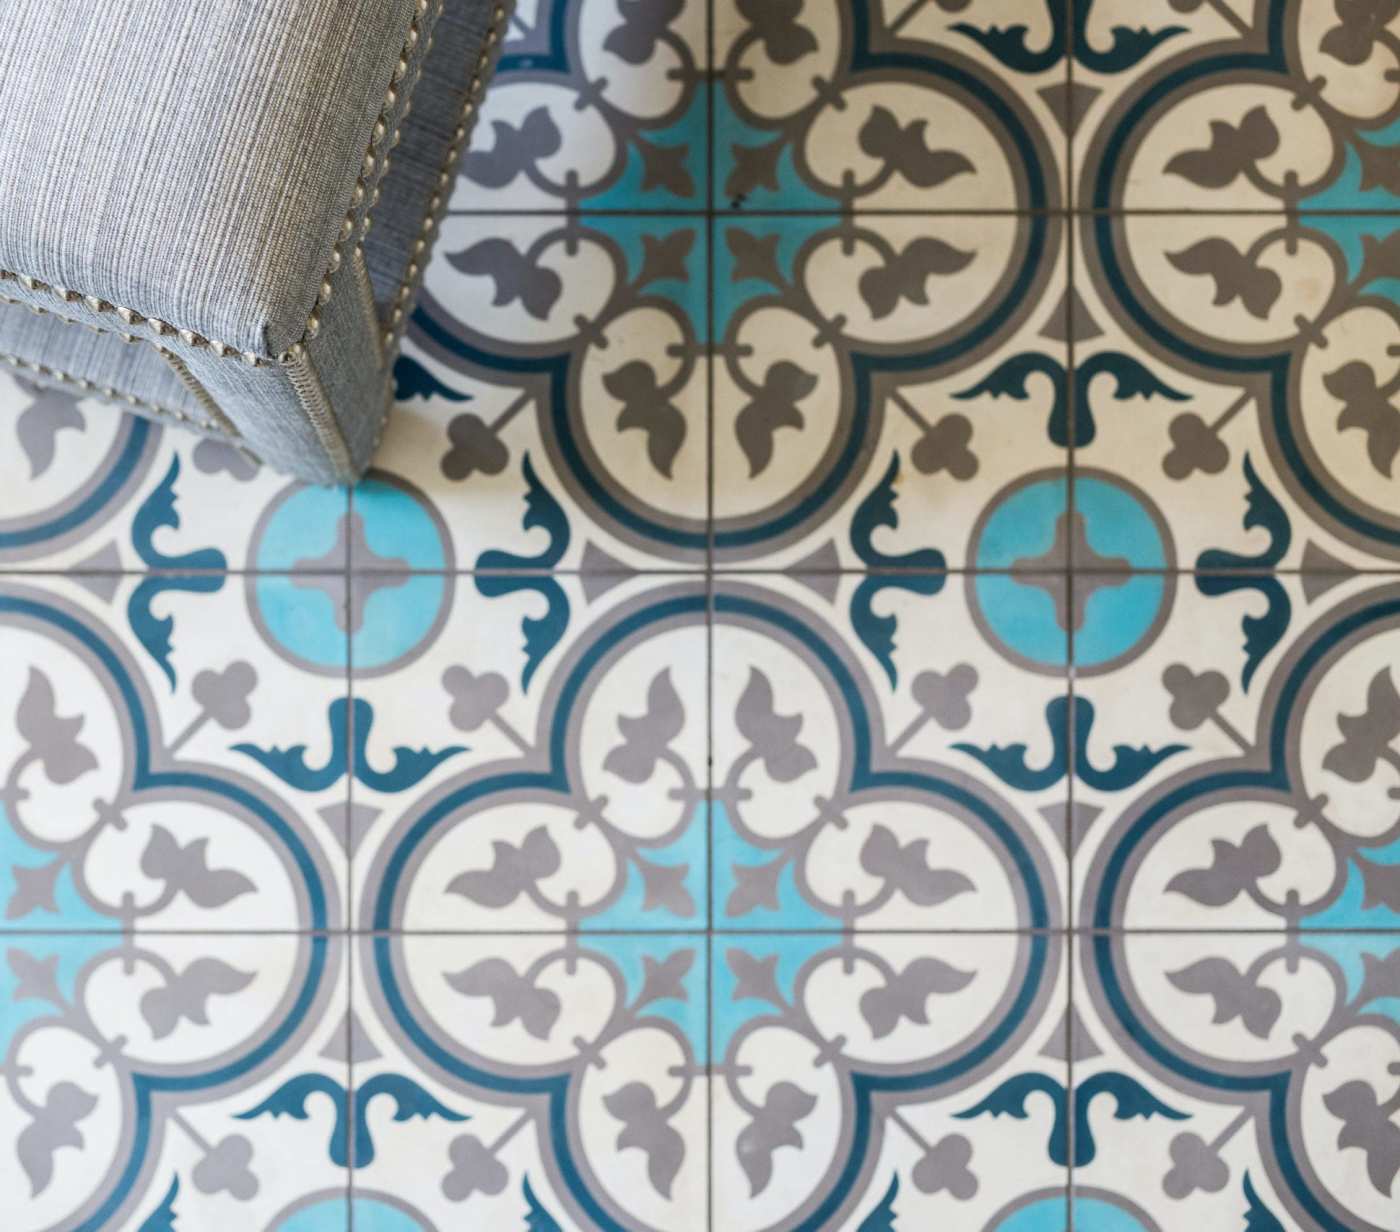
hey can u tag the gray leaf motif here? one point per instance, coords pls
(905, 868)
(771, 736)
(214, 457)
(516, 149)
(1196, 1164)
(474, 1169)
(1363, 22)
(1236, 275)
(187, 868)
(38, 425)
(1234, 869)
(664, 166)
(906, 994)
(664, 888)
(645, 1127)
(475, 698)
(514, 870)
(517, 276)
(1366, 737)
(773, 1126)
(755, 886)
(777, 25)
(53, 1126)
(53, 740)
(773, 406)
(905, 275)
(644, 22)
(185, 995)
(646, 738)
(945, 1166)
(513, 997)
(1367, 407)
(224, 695)
(1234, 993)
(904, 148)
(34, 977)
(1366, 1124)
(649, 411)
(1233, 150)
(225, 1168)
(755, 977)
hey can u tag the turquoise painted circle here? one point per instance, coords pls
(1120, 610)
(1090, 1215)
(331, 1215)
(400, 596)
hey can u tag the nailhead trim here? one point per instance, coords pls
(437, 204)
(110, 394)
(374, 166)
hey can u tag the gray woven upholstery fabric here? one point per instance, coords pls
(196, 182)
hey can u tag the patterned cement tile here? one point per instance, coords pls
(853, 701)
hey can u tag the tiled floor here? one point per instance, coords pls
(864, 695)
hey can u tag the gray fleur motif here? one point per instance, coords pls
(475, 448)
(946, 446)
(773, 405)
(1236, 994)
(904, 148)
(35, 978)
(49, 412)
(649, 409)
(1370, 409)
(1235, 869)
(1195, 697)
(224, 695)
(514, 870)
(53, 1126)
(34, 889)
(905, 994)
(1367, 737)
(53, 740)
(664, 888)
(515, 997)
(1236, 275)
(518, 276)
(1196, 446)
(665, 980)
(904, 275)
(1234, 150)
(214, 457)
(755, 977)
(644, 24)
(646, 1128)
(777, 25)
(475, 1169)
(946, 696)
(1196, 1165)
(515, 149)
(944, 1167)
(185, 995)
(905, 869)
(648, 736)
(186, 869)
(1366, 1124)
(475, 698)
(771, 1127)
(225, 1169)
(755, 886)
(771, 736)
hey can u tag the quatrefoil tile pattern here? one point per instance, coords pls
(861, 695)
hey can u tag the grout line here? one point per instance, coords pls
(711, 87)
(835, 930)
(351, 1093)
(836, 211)
(1071, 283)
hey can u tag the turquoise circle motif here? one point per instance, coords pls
(401, 558)
(1122, 586)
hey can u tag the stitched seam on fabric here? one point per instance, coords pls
(364, 291)
(107, 392)
(375, 164)
(432, 217)
(198, 392)
(316, 405)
